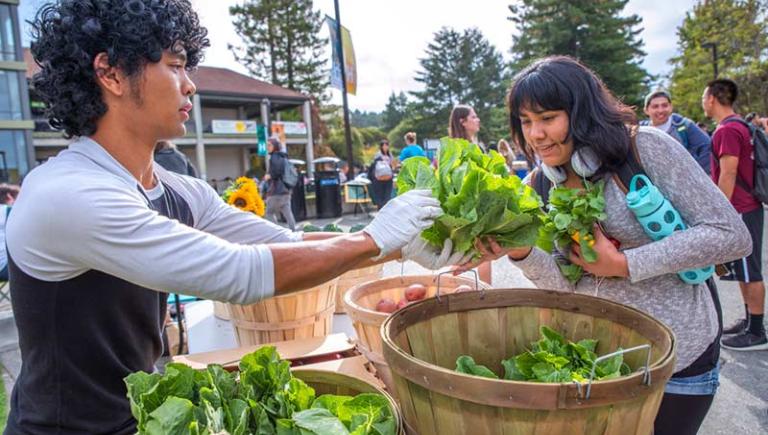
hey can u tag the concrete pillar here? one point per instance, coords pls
(197, 112)
(310, 142)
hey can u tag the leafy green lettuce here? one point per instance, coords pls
(478, 197)
(552, 359)
(571, 218)
(264, 399)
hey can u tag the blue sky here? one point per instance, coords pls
(390, 36)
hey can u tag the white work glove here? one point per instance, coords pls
(426, 255)
(402, 220)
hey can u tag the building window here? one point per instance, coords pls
(7, 38)
(13, 158)
(10, 98)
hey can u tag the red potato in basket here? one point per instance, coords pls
(415, 292)
(386, 305)
(403, 303)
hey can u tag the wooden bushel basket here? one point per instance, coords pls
(423, 340)
(325, 382)
(361, 301)
(304, 314)
(353, 278)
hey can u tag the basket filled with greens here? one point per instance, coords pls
(538, 361)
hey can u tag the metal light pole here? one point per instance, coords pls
(340, 50)
(713, 46)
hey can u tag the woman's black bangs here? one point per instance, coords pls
(537, 93)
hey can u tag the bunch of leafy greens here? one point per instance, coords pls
(572, 216)
(265, 399)
(478, 197)
(551, 359)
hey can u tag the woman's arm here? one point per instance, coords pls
(716, 233)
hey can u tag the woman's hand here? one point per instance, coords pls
(490, 250)
(610, 261)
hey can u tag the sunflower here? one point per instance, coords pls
(242, 200)
(258, 205)
(244, 181)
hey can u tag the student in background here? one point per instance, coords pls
(733, 168)
(412, 149)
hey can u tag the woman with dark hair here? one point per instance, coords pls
(561, 112)
(381, 174)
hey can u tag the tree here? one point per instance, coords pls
(281, 44)
(595, 32)
(739, 29)
(394, 111)
(458, 68)
(364, 119)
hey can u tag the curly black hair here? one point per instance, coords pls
(69, 34)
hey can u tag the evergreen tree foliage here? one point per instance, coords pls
(458, 68)
(740, 30)
(595, 32)
(395, 110)
(281, 44)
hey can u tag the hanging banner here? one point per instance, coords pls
(292, 128)
(226, 126)
(350, 66)
(261, 133)
(278, 129)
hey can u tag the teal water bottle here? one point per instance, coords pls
(659, 219)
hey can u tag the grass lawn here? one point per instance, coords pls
(3, 403)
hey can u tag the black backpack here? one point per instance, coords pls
(631, 167)
(760, 144)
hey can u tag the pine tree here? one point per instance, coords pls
(458, 68)
(595, 32)
(740, 31)
(281, 44)
(395, 110)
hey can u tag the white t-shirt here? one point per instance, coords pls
(83, 210)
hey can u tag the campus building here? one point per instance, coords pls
(223, 139)
(16, 125)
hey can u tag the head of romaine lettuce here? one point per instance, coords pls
(478, 196)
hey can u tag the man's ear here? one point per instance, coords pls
(110, 78)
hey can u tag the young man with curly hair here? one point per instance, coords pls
(99, 231)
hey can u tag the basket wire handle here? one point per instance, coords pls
(477, 283)
(646, 369)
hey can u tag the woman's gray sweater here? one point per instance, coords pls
(716, 234)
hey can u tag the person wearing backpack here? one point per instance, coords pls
(381, 174)
(658, 107)
(735, 169)
(281, 178)
(562, 113)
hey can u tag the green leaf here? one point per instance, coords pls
(319, 421)
(138, 384)
(466, 364)
(173, 417)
